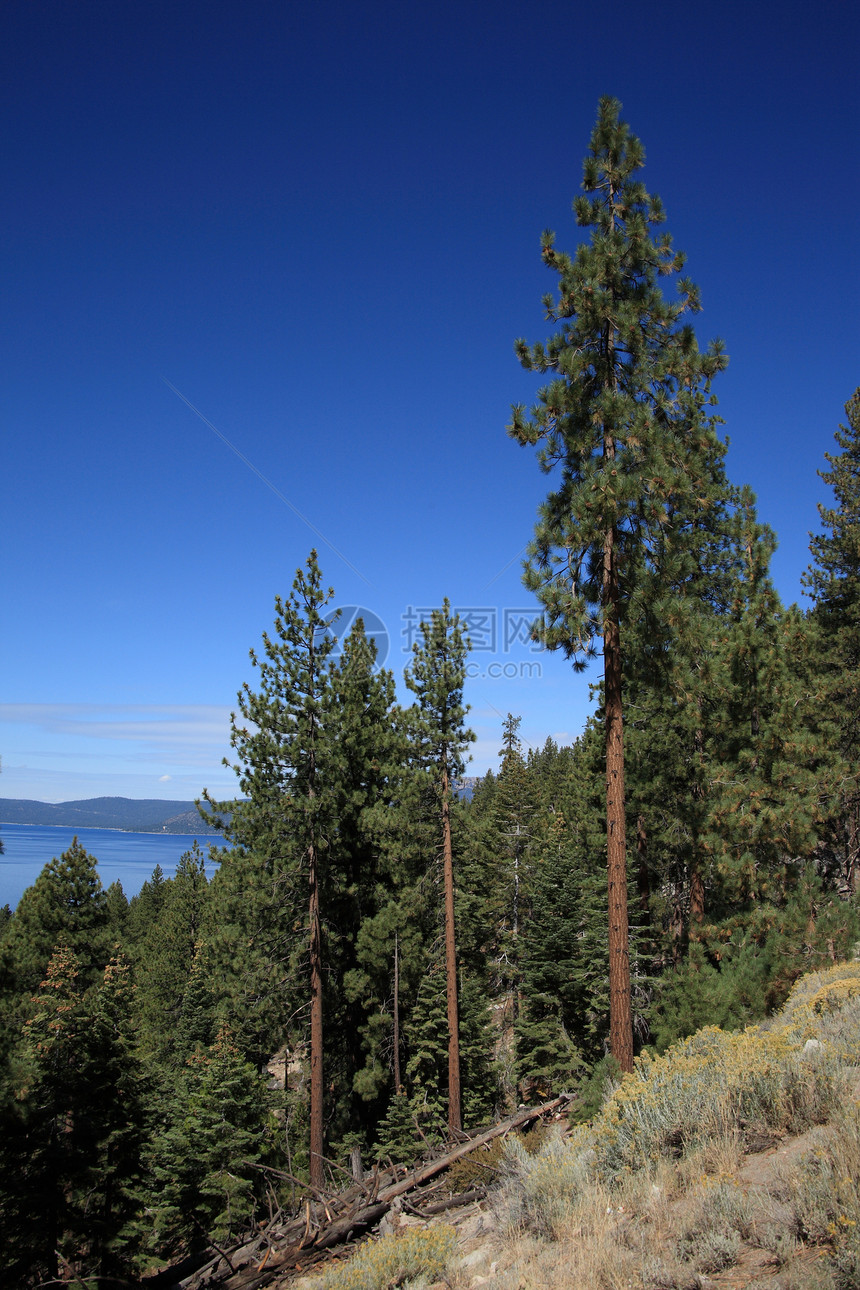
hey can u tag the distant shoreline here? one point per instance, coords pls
(107, 828)
(155, 817)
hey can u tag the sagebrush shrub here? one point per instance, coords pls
(418, 1254)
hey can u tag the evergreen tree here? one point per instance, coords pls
(56, 1158)
(196, 1020)
(744, 967)
(382, 988)
(144, 909)
(626, 421)
(117, 1093)
(427, 1071)
(317, 770)
(767, 764)
(393, 943)
(514, 817)
(66, 906)
(672, 655)
(362, 770)
(83, 1125)
(563, 1022)
(833, 582)
(729, 768)
(215, 1130)
(117, 911)
(278, 826)
(436, 677)
(398, 1135)
(165, 955)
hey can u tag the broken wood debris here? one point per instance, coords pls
(331, 1219)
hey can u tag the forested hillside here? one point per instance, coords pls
(380, 961)
(146, 815)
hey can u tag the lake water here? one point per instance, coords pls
(128, 858)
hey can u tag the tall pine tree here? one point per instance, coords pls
(833, 582)
(436, 677)
(625, 421)
(277, 825)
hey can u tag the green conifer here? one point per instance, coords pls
(626, 420)
(83, 1101)
(436, 677)
(268, 888)
(66, 906)
(317, 759)
(165, 954)
(215, 1129)
(833, 582)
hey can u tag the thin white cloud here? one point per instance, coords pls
(54, 751)
(171, 725)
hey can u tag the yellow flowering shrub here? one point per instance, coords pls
(419, 1255)
(824, 1195)
(816, 987)
(825, 1006)
(703, 1086)
(715, 1086)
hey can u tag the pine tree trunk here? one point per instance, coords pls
(697, 900)
(397, 1084)
(644, 878)
(852, 867)
(455, 1120)
(697, 886)
(316, 1166)
(620, 1018)
(317, 1174)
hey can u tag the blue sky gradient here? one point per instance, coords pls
(320, 225)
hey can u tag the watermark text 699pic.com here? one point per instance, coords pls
(489, 629)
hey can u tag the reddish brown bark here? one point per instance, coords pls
(397, 1084)
(697, 901)
(317, 1174)
(852, 867)
(455, 1119)
(697, 886)
(620, 1015)
(316, 1162)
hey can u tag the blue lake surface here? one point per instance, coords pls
(128, 858)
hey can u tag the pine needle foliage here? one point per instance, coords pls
(625, 419)
(833, 582)
(625, 424)
(436, 677)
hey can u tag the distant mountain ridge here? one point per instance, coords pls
(131, 815)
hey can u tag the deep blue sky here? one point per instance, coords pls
(320, 224)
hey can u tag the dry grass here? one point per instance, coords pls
(652, 1193)
(659, 1191)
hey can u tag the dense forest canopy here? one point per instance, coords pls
(378, 960)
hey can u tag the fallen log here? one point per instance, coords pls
(453, 1202)
(304, 1239)
(518, 1121)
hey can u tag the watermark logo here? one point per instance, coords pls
(524, 670)
(490, 629)
(340, 623)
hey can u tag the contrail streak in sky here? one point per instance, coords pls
(313, 528)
